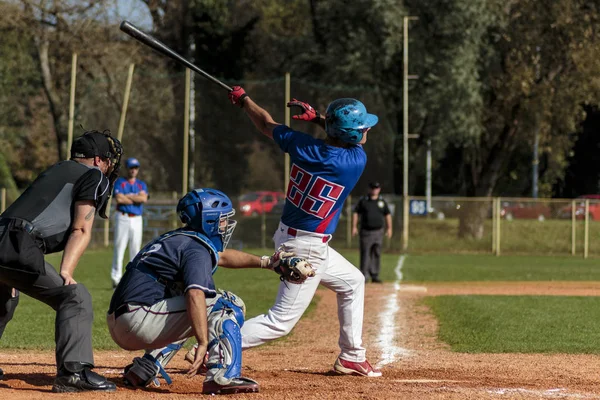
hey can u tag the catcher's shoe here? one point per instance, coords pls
(364, 368)
(82, 381)
(237, 385)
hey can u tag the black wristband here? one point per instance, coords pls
(241, 100)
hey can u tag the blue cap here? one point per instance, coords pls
(132, 163)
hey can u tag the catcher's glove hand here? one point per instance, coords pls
(289, 267)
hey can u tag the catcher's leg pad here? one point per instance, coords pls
(141, 372)
(225, 339)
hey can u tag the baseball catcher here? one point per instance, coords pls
(167, 295)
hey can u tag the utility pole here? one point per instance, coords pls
(428, 177)
(405, 134)
(536, 140)
(192, 170)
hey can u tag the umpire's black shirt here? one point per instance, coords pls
(48, 204)
(372, 212)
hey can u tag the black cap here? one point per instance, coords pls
(374, 185)
(91, 144)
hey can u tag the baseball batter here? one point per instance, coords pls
(322, 175)
(130, 194)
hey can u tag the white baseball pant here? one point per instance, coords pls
(128, 230)
(335, 273)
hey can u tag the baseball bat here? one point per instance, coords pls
(162, 48)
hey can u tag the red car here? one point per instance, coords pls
(525, 210)
(565, 212)
(257, 203)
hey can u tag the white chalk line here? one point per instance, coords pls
(558, 393)
(390, 323)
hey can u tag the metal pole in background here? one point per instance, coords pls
(120, 138)
(428, 177)
(586, 231)
(2, 200)
(288, 121)
(535, 163)
(192, 173)
(349, 221)
(498, 229)
(573, 227)
(405, 135)
(72, 103)
(493, 225)
(186, 132)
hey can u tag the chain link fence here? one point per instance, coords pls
(501, 226)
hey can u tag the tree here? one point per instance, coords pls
(494, 73)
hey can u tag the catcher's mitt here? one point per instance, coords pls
(289, 267)
(294, 269)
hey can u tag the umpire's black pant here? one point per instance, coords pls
(72, 303)
(370, 252)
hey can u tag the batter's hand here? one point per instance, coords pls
(237, 96)
(354, 231)
(68, 279)
(308, 112)
(198, 360)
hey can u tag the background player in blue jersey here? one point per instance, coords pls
(130, 194)
(168, 295)
(322, 175)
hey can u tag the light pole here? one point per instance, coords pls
(405, 134)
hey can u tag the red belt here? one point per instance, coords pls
(129, 214)
(293, 232)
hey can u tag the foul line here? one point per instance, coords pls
(390, 322)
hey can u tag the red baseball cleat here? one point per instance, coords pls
(237, 385)
(364, 368)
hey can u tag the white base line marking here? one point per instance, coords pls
(558, 393)
(389, 321)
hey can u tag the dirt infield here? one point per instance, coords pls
(400, 337)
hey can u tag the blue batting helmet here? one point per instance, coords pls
(132, 163)
(347, 120)
(208, 211)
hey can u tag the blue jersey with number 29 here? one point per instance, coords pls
(321, 177)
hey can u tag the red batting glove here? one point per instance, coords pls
(308, 112)
(237, 95)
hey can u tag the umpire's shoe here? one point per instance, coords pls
(78, 377)
(237, 385)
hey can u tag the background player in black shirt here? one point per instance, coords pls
(56, 213)
(374, 216)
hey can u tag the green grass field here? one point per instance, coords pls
(467, 323)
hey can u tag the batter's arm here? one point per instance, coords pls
(196, 308)
(260, 117)
(79, 238)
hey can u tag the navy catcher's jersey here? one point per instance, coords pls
(321, 177)
(173, 260)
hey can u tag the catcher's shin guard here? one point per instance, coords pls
(225, 318)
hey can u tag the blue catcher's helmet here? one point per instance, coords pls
(209, 212)
(347, 120)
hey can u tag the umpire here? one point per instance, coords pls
(56, 214)
(374, 215)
